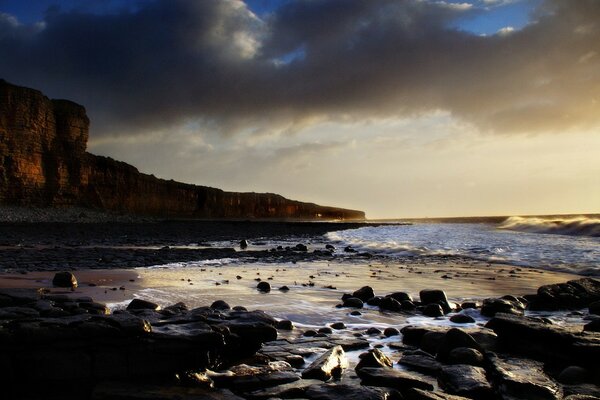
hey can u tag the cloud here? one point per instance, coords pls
(214, 62)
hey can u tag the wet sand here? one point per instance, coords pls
(315, 287)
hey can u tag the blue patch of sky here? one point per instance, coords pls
(493, 16)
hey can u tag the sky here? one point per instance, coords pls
(399, 108)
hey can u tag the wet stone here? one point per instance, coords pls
(389, 332)
(465, 380)
(395, 379)
(374, 358)
(364, 293)
(346, 392)
(421, 361)
(329, 365)
(462, 319)
(434, 296)
(64, 279)
(353, 302)
(139, 304)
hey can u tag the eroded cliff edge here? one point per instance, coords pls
(43, 163)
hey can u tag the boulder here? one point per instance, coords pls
(462, 319)
(364, 293)
(401, 296)
(263, 287)
(431, 296)
(522, 379)
(453, 339)
(347, 392)
(373, 358)
(220, 305)
(574, 375)
(465, 380)
(64, 279)
(421, 361)
(491, 307)
(594, 308)
(353, 302)
(330, 364)
(573, 294)
(433, 310)
(387, 377)
(420, 394)
(465, 355)
(390, 304)
(139, 304)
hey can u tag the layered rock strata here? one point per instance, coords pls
(43, 162)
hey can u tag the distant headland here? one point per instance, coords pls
(44, 163)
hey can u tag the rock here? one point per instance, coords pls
(374, 358)
(300, 247)
(346, 392)
(64, 279)
(389, 331)
(401, 296)
(139, 304)
(573, 294)
(338, 325)
(220, 305)
(537, 339)
(309, 333)
(453, 339)
(581, 397)
(326, 330)
(586, 391)
(263, 287)
(465, 355)
(284, 289)
(433, 310)
(491, 307)
(462, 319)
(243, 244)
(349, 249)
(364, 293)
(465, 380)
(421, 361)
(291, 390)
(594, 308)
(144, 391)
(434, 296)
(592, 326)
(330, 364)
(420, 394)
(285, 325)
(468, 304)
(522, 379)
(373, 331)
(243, 377)
(390, 304)
(387, 377)
(375, 301)
(353, 302)
(573, 375)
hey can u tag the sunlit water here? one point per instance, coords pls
(529, 246)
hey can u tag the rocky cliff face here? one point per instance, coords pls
(43, 162)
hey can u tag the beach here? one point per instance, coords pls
(309, 276)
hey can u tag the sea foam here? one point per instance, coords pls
(574, 226)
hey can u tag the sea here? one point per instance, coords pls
(518, 254)
(556, 243)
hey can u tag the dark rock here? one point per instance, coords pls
(374, 358)
(433, 310)
(465, 355)
(594, 308)
(453, 339)
(284, 289)
(338, 325)
(592, 326)
(291, 390)
(364, 293)
(434, 296)
(491, 307)
(349, 249)
(573, 375)
(285, 325)
(408, 305)
(330, 364)
(401, 296)
(220, 305)
(387, 377)
(462, 319)
(468, 304)
(309, 333)
(329, 247)
(375, 301)
(243, 244)
(325, 330)
(389, 304)
(373, 331)
(64, 279)
(465, 380)
(143, 391)
(139, 304)
(420, 394)
(353, 302)
(389, 331)
(573, 294)
(582, 392)
(300, 247)
(263, 287)
(421, 361)
(355, 313)
(522, 379)
(246, 378)
(540, 340)
(347, 392)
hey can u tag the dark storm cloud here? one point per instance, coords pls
(214, 61)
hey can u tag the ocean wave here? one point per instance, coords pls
(573, 226)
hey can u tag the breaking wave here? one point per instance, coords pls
(573, 226)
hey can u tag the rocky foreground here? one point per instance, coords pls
(62, 346)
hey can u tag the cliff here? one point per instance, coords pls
(43, 163)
